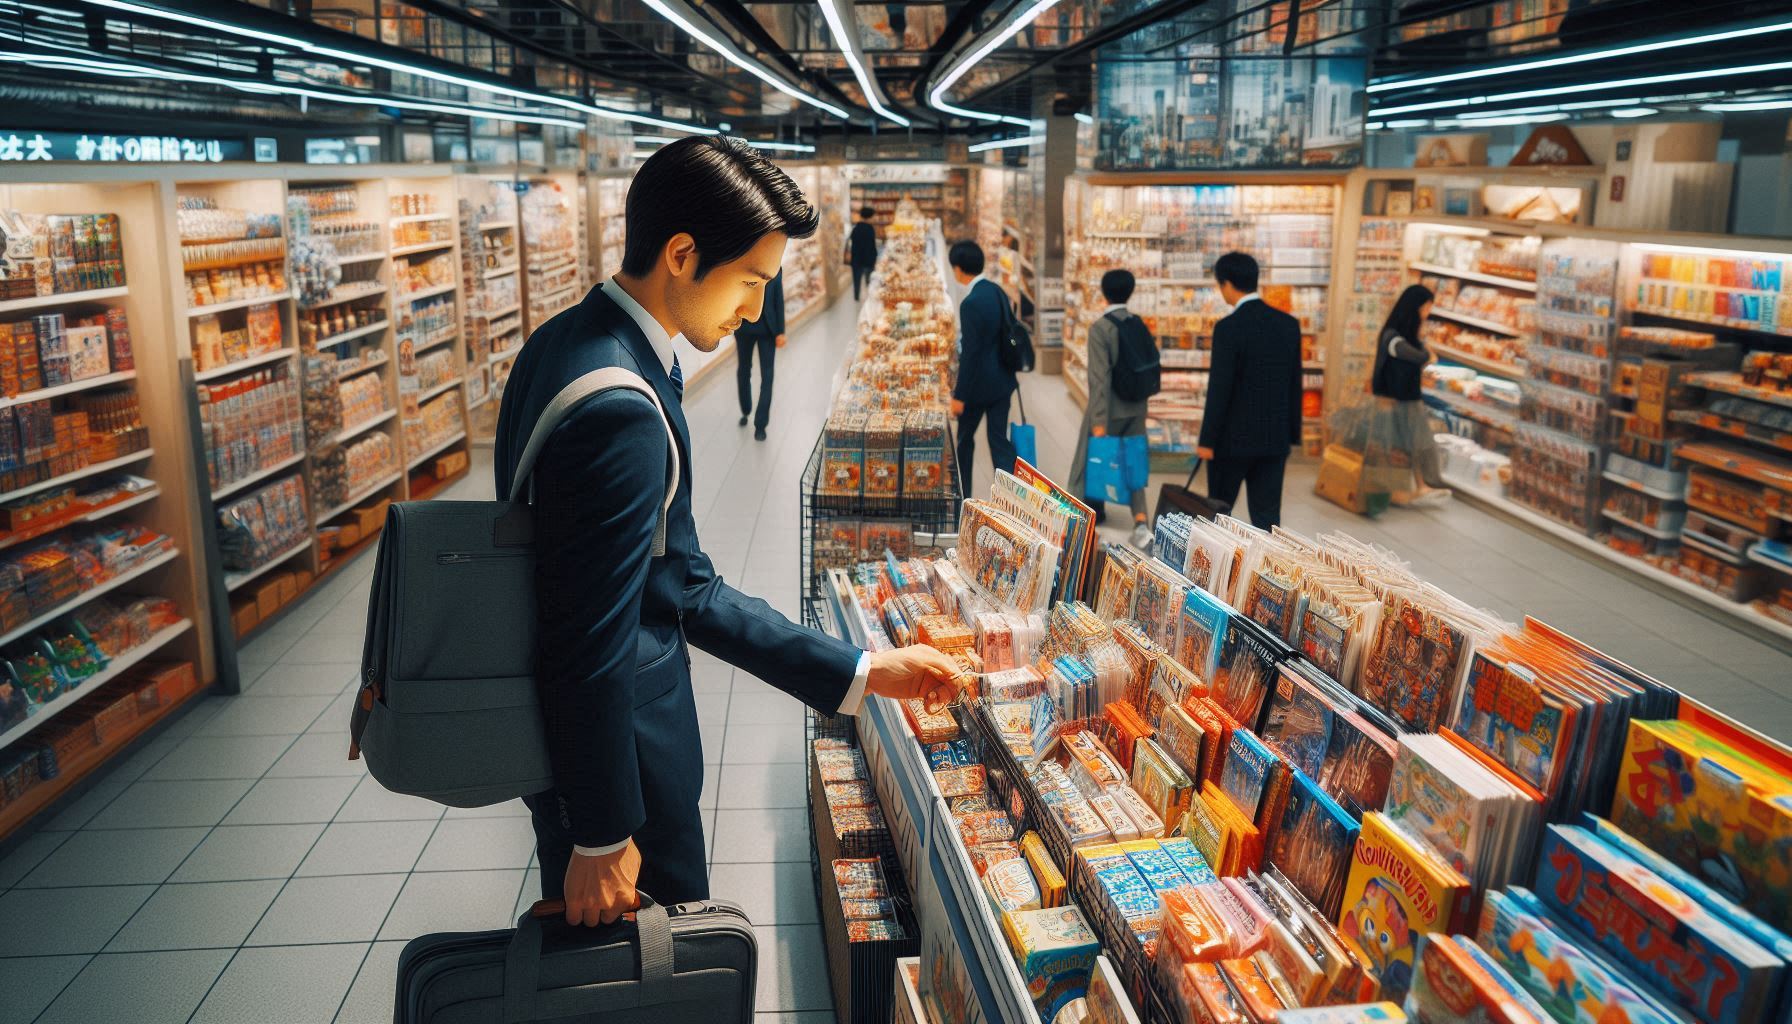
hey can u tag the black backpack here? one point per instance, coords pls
(1015, 349)
(1138, 374)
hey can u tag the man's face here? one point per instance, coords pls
(706, 310)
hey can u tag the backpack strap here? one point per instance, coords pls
(570, 397)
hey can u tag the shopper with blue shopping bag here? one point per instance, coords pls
(1112, 460)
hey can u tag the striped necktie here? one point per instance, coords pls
(677, 376)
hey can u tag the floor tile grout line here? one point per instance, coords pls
(387, 916)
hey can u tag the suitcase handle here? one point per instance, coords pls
(523, 999)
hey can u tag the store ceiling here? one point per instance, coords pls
(633, 55)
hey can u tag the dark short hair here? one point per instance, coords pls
(966, 256)
(719, 191)
(1117, 285)
(1238, 270)
(867, 212)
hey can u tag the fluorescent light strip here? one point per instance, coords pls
(1634, 112)
(936, 95)
(1025, 140)
(119, 70)
(750, 66)
(1742, 106)
(1084, 118)
(1581, 58)
(785, 147)
(1617, 83)
(850, 50)
(1481, 122)
(293, 42)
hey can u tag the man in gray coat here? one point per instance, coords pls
(1108, 414)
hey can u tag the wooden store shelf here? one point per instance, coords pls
(420, 218)
(437, 343)
(337, 300)
(364, 367)
(68, 389)
(350, 432)
(225, 307)
(237, 580)
(497, 357)
(119, 666)
(279, 355)
(1642, 488)
(337, 339)
(256, 477)
(87, 595)
(497, 225)
(438, 389)
(1078, 393)
(1472, 275)
(436, 449)
(45, 527)
(412, 250)
(359, 496)
(62, 299)
(497, 272)
(435, 487)
(366, 257)
(427, 293)
(79, 474)
(506, 311)
(1476, 322)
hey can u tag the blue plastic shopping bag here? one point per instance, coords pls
(1026, 442)
(1104, 479)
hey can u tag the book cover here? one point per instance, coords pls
(1502, 977)
(1298, 722)
(1449, 987)
(1359, 762)
(1312, 847)
(1270, 602)
(1395, 893)
(1506, 712)
(1156, 600)
(1201, 633)
(1424, 800)
(1651, 927)
(1245, 775)
(1412, 669)
(1324, 639)
(1247, 668)
(1573, 987)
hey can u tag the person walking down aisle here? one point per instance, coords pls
(766, 335)
(1400, 360)
(862, 249)
(1110, 413)
(1253, 395)
(984, 385)
(622, 584)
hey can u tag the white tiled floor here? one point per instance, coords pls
(240, 869)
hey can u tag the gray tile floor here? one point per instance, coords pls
(239, 869)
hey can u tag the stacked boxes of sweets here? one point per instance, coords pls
(250, 423)
(260, 525)
(56, 253)
(215, 346)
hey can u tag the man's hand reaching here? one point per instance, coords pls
(599, 890)
(916, 671)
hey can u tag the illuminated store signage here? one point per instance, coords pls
(69, 147)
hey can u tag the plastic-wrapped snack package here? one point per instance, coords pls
(930, 726)
(1117, 821)
(860, 879)
(965, 780)
(1029, 636)
(1081, 823)
(1251, 980)
(1208, 998)
(1071, 683)
(1004, 557)
(1112, 668)
(989, 855)
(1146, 820)
(1056, 950)
(867, 910)
(1189, 861)
(950, 754)
(1011, 887)
(849, 794)
(1188, 933)
(943, 633)
(879, 930)
(1165, 787)
(1142, 654)
(995, 641)
(969, 805)
(857, 821)
(1052, 885)
(840, 766)
(985, 827)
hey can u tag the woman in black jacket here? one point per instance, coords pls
(1400, 360)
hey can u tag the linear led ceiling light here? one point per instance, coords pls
(1024, 140)
(783, 147)
(1083, 118)
(678, 14)
(936, 97)
(121, 70)
(855, 59)
(1562, 90)
(1582, 58)
(421, 71)
(1756, 105)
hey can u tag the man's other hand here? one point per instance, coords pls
(599, 890)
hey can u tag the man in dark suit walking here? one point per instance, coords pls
(1252, 417)
(708, 220)
(764, 336)
(861, 247)
(984, 385)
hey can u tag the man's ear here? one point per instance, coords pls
(680, 255)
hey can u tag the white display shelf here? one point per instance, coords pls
(338, 299)
(1731, 383)
(337, 339)
(236, 580)
(89, 594)
(366, 257)
(1653, 531)
(1476, 322)
(411, 250)
(256, 477)
(23, 536)
(1742, 614)
(481, 400)
(420, 218)
(363, 367)
(497, 272)
(438, 389)
(437, 343)
(1480, 412)
(549, 300)
(1479, 364)
(1642, 488)
(428, 293)
(120, 665)
(359, 496)
(68, 389)
(63, 299)
(279, 355)
(497, 225)
(1771, 563)
(79, 474)
(1470, 275)
(436, 449)
(497, 357)
(349, 433)
(495, 314)
(225, 307)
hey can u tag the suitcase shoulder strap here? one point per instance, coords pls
(570, 397)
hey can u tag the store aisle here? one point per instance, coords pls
(239, 869)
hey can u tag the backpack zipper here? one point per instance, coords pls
(463, 557)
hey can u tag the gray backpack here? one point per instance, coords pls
(448, 709)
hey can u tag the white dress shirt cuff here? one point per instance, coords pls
(855, 697)
(599, 851)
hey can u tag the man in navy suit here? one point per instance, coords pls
(764, 336)
(1252, 417)
(984, 385)
(708, 220)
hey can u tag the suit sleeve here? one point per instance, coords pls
(977, 323)
(1221, 379)
(750, 634)
(1101, 367)
(1295, 382)
(598, 483)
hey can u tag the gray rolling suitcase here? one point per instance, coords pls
(693, 962)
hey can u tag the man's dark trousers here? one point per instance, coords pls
(746, 342)
(1261, 476)
(1001, 449)
(860, 275)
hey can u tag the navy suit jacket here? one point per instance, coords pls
(771, 317)
(612, 663)
(1253, 389)
(982, 324)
